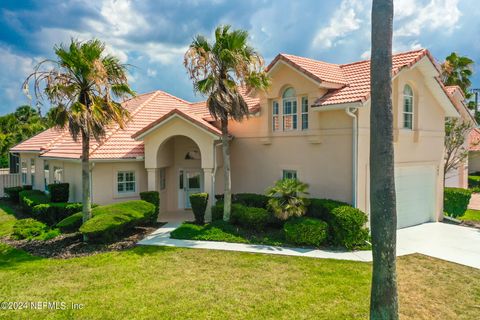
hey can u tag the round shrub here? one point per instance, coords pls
(348, 227)
(152, 197)
(28, 229)
(52, 213)
(71, 223)
(306, 231)
(31, 198)
(251, 200)
(249, 217)
(322, 208)
(199, 203)
(455, 201)
(217, 211)
(59, 192)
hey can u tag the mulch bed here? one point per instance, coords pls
(70, 245)
(472, 224)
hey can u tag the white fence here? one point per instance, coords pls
(9, 180)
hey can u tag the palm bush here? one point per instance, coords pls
(288, 198)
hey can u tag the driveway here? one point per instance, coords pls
(441, 240)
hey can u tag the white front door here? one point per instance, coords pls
(190, 182)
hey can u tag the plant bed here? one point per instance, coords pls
(71, 245)
(471, 218)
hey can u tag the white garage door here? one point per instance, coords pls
(415, 188)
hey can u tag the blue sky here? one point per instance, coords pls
(153, 35)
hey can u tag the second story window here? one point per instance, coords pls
(286, 116)
(304, 113)
(289, 100)
(275, 116)
(408, 107)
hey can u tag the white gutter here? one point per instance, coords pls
(214, 172)
(350, 112)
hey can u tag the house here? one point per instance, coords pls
(458, 177)
(312, 124)
(474, 151)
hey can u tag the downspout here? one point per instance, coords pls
(214, 172)
(350, 112)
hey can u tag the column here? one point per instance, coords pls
(152, 179)
(208, 187)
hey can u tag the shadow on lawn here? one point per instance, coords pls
(11, 257)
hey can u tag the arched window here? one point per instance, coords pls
(289, 101)
(407, 107)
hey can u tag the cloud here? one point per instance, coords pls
(343, 21)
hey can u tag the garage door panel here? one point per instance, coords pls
(415, 191)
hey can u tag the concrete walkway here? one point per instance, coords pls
(474, 202)
(440, 240)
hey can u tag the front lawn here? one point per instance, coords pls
(7, 218)
(471, 215)
(172, 283)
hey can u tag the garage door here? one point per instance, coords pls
(415, 188)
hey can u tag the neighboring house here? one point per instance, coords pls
(313, 124)
(458, 177)
(474, 151)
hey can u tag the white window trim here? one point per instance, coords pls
(412, 113)
(290, 171)
(24, 171)
(304, 113)
(278, 116)
(298, 100)
(126, 193)
(33, 168)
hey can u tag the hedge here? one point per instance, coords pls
(347, 227)
(111, 221)
(306, 231)
(71, 223)
(52, 213)
(13, 193)
(249, 217)
(59, 192)
(32, 229)
(322, 208)
(199, 203)
(247, 199)
(455, 201)
(152, 197)
(31, 198)
(473, 181)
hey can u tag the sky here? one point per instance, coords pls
(152, 36)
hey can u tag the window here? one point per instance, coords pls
(163, 178)
(407, 107)
(24, 171)
(304, 113)
(289, 110)
(180, 181)
(32, 172)
(126, 182)
(275, 116)
(57, 175)
(289, 174)
(46, 174)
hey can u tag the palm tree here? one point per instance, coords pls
(81, 85)
(383, 215)
(457, 70)
(217, 69)
(287, 198)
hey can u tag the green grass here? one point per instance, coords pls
(471, 215)
(223, 231)
(7, 219)
(172, 283)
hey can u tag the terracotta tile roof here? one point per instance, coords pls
(452, 89)
(474, 140)
(358, 78)
(318, 70)
(118, 143)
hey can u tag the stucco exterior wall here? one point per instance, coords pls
(473, 161)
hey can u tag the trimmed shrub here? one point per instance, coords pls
(322, 208)
(111, 221)
(199, 203)
(13, 193)
(32, 229)
(71, 223)
(51, 213)
(249, 217)
(455, 201)
(31, 198)
(217, 211)
(473, 181)
(251, 200)
(348, 227)
(152, 197)
(59, 192)
(306, 231)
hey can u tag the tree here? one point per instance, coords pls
(456, 133)
(287, 198)
(457, 70)
(383, 216)
(217, 70)
(81, 85)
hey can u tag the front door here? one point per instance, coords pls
(192, 183)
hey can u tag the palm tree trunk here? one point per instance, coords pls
(87, 210)
(383, 216)
(227, 193)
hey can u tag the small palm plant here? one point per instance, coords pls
(288, 198)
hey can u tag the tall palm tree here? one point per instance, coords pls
(383, 216)
(217, 70)
(81, 85)
(457, 70)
